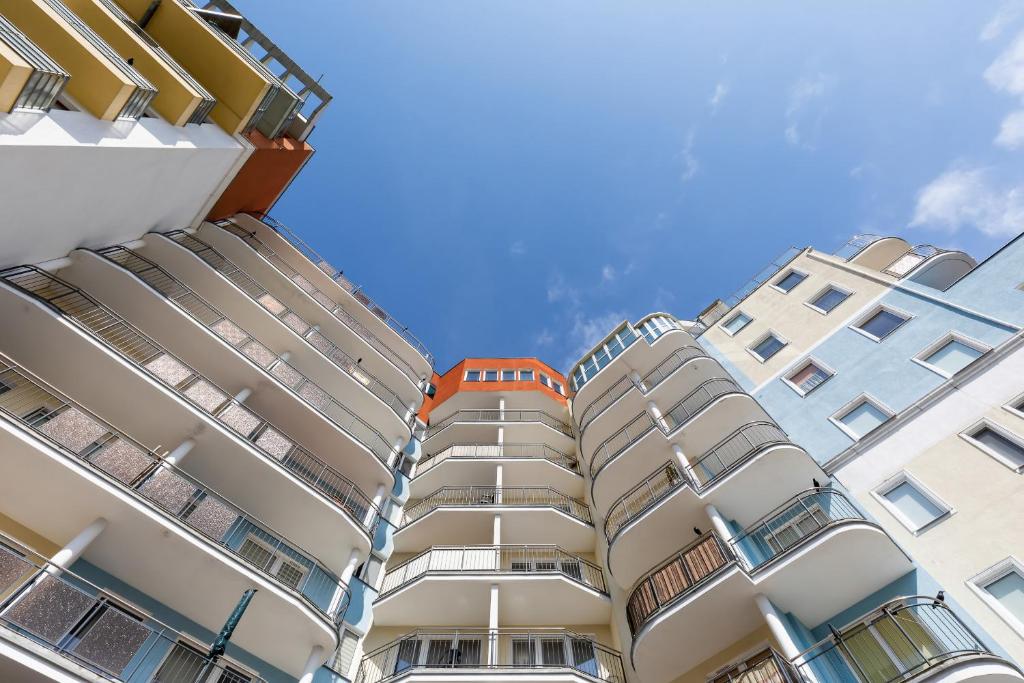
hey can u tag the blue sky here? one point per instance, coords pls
(515, 178)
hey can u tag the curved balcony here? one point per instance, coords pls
(298, 326)
(518, 654)
(535, 514)
(336, 310)
(534, 425)
(448, 585)
(764, 667)
(80, 434)
(522, 464)
(147, 356)
(89, 634)
(906, 638)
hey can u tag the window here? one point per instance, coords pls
(787, 282)
(829, 299)
(545, 380)
(1002, 587)
(472, 375)
(341, 661)
(187, 663)
(508, 375)
(911, 503)
(733, 325)
(277, 564)
(526, 375)
(767, 347)
(881, 324)
(557, 387)
(860, 417)
(999, 443)
(809, 377)
(490, 375)
(950, 355)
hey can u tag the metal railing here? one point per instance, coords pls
(697, 400)
(48, 79)
(492, 450)
(296, 324)
(765, 667)
(28, 402)
(855, 245)
(642, 497)
(335, 309)
(909, 261)
(355, 290)
(901, 639)
(734, 450)
(143, 92)
(146, 355)
(617, 443)
(501, 648)
(500, 417)
(792, 523)
(765, 274)
(494, 559)
(73, 617)
(677, 577)
(507, 496)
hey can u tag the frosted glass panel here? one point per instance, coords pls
(914, 505)
(1009, 591)
(953, 356)
(863, 418)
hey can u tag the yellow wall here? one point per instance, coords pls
(741, 650)
(14, 73)
(24, 535)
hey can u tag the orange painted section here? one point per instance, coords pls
(453, 381)
(263, 177)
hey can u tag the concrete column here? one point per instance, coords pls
(178, 454)
(496, 533)
(67, 555)
(634, 377)
(655, 413)
(53, 265)
(310, 331)
(492, 626)
(378, 502)
(681, 460)
(397, 448)
(313, 664)
(718, 522)
(775, 625)
(354, 558)
(134, 245)
(244, 394)
(498, 478)
(501, 408)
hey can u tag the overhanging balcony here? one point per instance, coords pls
(765, 667)
(510, 654)
(479, 425)
(33, 80)
(522, 464)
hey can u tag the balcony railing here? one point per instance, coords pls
(508, 496)
(792, 523)
(617, 443)
(855, 245)
(296, 324)
(765, 667)
(911, 259)
(497, 416)
(900, 640)
(146, 355)
(68, 426)
(66, 614)
(518, 650)
(335, 309)
(47, 81)
(680, 575)
(494, 559)
(734, 450)
(697, 400)
(490, 450)
(355, 290)
(642, 497)
(144, 91)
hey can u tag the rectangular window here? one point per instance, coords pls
(998, 444)
(1008, 591)
(950, 357)
(767, 347)
(910, 503)
(472, 375)
(490, 375)
(809, 377)
(790, 280)
(1002, 588)
(557, 387)
(829, 299)
(508, 375)
(861, 418)
(881, 324)
(526, 375)
(545, 380)
(736, 323)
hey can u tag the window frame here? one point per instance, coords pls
(940, 343)
(532, 378)
(856, 326)
(836, 417)
(821, 292)
(1015, 406)
(799, 367)
(479, 375)
(979, 584)
(501, 375)
(984, 423)
(762, 339)
(193, 644)
(279, 560)
(727, 319)
(483, 375)
(544, 379)
(880, 493)
(789, 271)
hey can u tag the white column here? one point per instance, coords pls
(683, 463)
(242, 395)
(74, 548)
(496, 532)
(718, 522)
(179, 453)
(655, 413)
(498, 478)
(310, 331)
(316, 659)
(635, 378)
(775, 625)
(378, 502)
(354, 558)
(492, 626)
(501, 408)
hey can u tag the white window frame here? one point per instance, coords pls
(880, 493)
(279, 559)
(979, 581)
(557, 388)
(942, 341)
(544, 379)
(733, 314)
(799, 367)
(501, 375)
(533, 375)
(497, 376)
(984, 422)
(835, 418)
(763, 338)
(906, 315)
(1011, 406)
(227, 660)
(789, 271)
(479, 378)
(821, 292)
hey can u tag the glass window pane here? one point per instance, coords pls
(790, 281)
(831, 298)
(768, 348)
(863, 418)
(914, 505)
(810, 377)
(490, 375)
(953, 356)
(881, 324)
(736, 323)
(1009, 591)
(508, 375)
(527, 376)
(1001, 445)
(472, 375)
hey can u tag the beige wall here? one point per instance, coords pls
(25, 536)
(741, 650)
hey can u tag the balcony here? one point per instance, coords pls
(931, 266)
(461, 514)
(907, 638)
(522, 464)
(518, 654)
(86, 633)
(478, 425)
(449, 585)
(765, 667)
(32, 79)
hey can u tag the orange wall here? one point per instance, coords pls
(263, 177)
(452, 382)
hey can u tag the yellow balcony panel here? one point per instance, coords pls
(101, 81)
(29, 79)
(179, 96)
(221, 67)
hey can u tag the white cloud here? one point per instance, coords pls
(517, 248)
(559, 291)
(1011, 132)
(1006, 73)
(607, 273)
(967, 198)
(690, 163)
(1008, 13)
(802, 109)
(721, 90)
(544, 338)
(588, 331)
